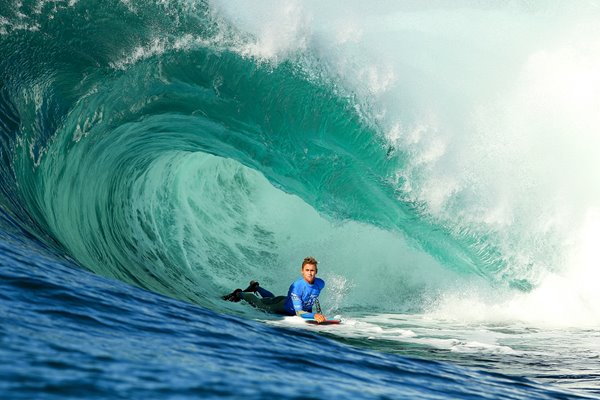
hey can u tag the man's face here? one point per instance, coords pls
(309, 272)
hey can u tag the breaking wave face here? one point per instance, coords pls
(433, 158)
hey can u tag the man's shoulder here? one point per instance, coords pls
(298, 283)
(320, 283)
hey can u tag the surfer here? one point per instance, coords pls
(301, 300)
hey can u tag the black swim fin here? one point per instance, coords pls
(233, 296)
(251, 287)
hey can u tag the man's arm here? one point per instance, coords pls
(305, 314)
(318, 316)
(297, 303)
(317, 306)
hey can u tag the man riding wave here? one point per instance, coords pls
(301, 300)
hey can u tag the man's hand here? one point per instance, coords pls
(320, 318)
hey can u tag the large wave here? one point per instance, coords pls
(187, 147)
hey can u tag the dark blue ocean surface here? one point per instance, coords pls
(67, 333)
(439, 160)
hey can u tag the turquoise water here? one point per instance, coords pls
(438, 160)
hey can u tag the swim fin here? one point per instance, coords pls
(251, 287)
(233, 296)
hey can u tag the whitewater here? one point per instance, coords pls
(439, 160)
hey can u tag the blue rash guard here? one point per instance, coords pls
(302, 296)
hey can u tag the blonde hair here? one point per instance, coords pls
(309, 260)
